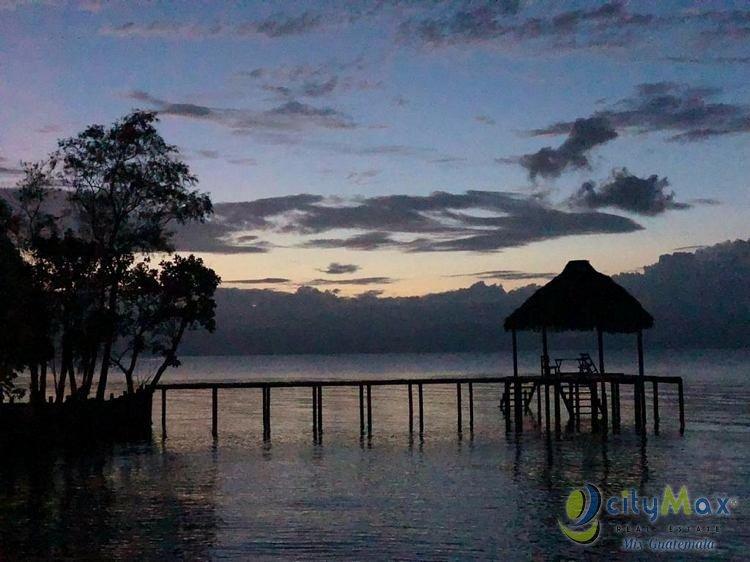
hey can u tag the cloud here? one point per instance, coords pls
(289, 116)
(475, 221)
(354, 281)
(263, 281)
(708, 60)
(362, 177)
(485, 120)
(448, 160)
(210, 154)
(400, 101)
(687, 113)
(275, 26)
(367, 241)
(9, 170)
(243, 161)
(499, 23)
(49, 128)
(584, 135)
(642, 196)
(507, 275)
(313, 80)
(335, 268)
(371, 294)
(281, 25)
(214, 236)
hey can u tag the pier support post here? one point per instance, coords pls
(517, 406)
(637, 406)
(546, 407)
(459, 407)
(506, 407)
(163, 413)
(641, 411)
(656, 407)
(615, 407)
(600, 346)
(361, 409)
(411, 411)
(315, 412)
(267, 432)
(681, 399)
(320, 412)
(557, 409)
(593, 389)
(369, 410)
(421, 410)
(471, 408)
(539, 406)
(215, 412)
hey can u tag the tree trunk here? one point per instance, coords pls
(109, 338)
(43, 382)
(130, 370)
(170, 355)
(34, 385)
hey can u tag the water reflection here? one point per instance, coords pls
(129, 503)
(393, 494)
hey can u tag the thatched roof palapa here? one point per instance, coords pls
(581, 298)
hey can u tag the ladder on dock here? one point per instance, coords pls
(580, 399)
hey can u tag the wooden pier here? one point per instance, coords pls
(576, 398)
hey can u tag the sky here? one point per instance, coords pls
(402, 148)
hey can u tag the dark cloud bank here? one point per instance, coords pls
(699, 299)
(476, 221)
(685, 113)
(642, 196)
(584, 135)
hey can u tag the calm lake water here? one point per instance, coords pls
(480, 496)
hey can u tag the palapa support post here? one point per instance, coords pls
(361, 409)
(421, 410)
(515, 353)
(546, 407)
(411, 411)
(578, 406)
(369, 410)
(163, 413)
(471, 407)
(459, 407)
(656, 407)
(545, 353)
(214, 412)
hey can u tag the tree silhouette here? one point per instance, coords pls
(87, 219)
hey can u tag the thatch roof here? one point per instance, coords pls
(580, 298)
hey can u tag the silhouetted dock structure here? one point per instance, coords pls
(581, 299)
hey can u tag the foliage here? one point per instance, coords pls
(78, 246)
